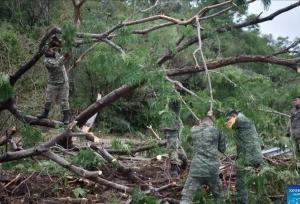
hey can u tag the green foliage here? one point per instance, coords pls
(21, 165)
(251, 89)
(25, 15)
(28, 165)
(157, 150)
(68, 34)
(271, 180)
(119, 144)
(87, 159)
(30, 136)
(52, 168)
(187, 31)
(6, 90)
(131, 68)
(114, 200)
(80, 192)
(139, 197)
(12, 52)
(202, 197)
(124, 36)
(168, 117)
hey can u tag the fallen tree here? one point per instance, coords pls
(106, 37)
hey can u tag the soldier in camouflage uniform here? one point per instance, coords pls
(58, 86)
(58, 83)
(207, 142)
(294, 123)
(248, 150)
(177, 155)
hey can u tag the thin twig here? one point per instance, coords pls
(275, 112)
(12, 181)
(174, 20)
(188, 107)
(22, 182)
(83, 55)
(153, 28)
(287, 49)
(151, 7)
(60, 148)
(206, 9)
(180, 97)
(226, 77)
(115, 46)
(179, 84)
(153, 132)
(216, 14)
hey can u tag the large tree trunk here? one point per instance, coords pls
(106, 100)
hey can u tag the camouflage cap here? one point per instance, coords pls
(228, 111)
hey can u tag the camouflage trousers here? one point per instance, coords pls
(177, 154)
(57, 93)
(242, 174)
(192, 184)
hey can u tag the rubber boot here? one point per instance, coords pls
(44, 114)
(66, 142)
(174, 170)
(66, 118)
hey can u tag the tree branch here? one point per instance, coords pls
(120, 167)
(287, 49)
(83, 55)
(24, 68)
(169, 55)
(290, 63)
(115, 46)
(33, 151)
(32, 120)
(260, 20)
(91, 175)
(145, 31)
(104, 101)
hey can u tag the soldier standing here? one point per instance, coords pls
(58, 84)
(57, 88)
(248, 150)
(294, 123)
(207, 142)
(177, 155)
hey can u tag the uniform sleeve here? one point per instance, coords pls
(55, 62)
(60, 60)
(221, 143)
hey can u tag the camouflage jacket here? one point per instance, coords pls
(294, 123)
(207, 142)
(56, 69)
(247, 142)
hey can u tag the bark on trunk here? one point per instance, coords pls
(106, 100)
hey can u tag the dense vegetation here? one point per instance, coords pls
(256, 89)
